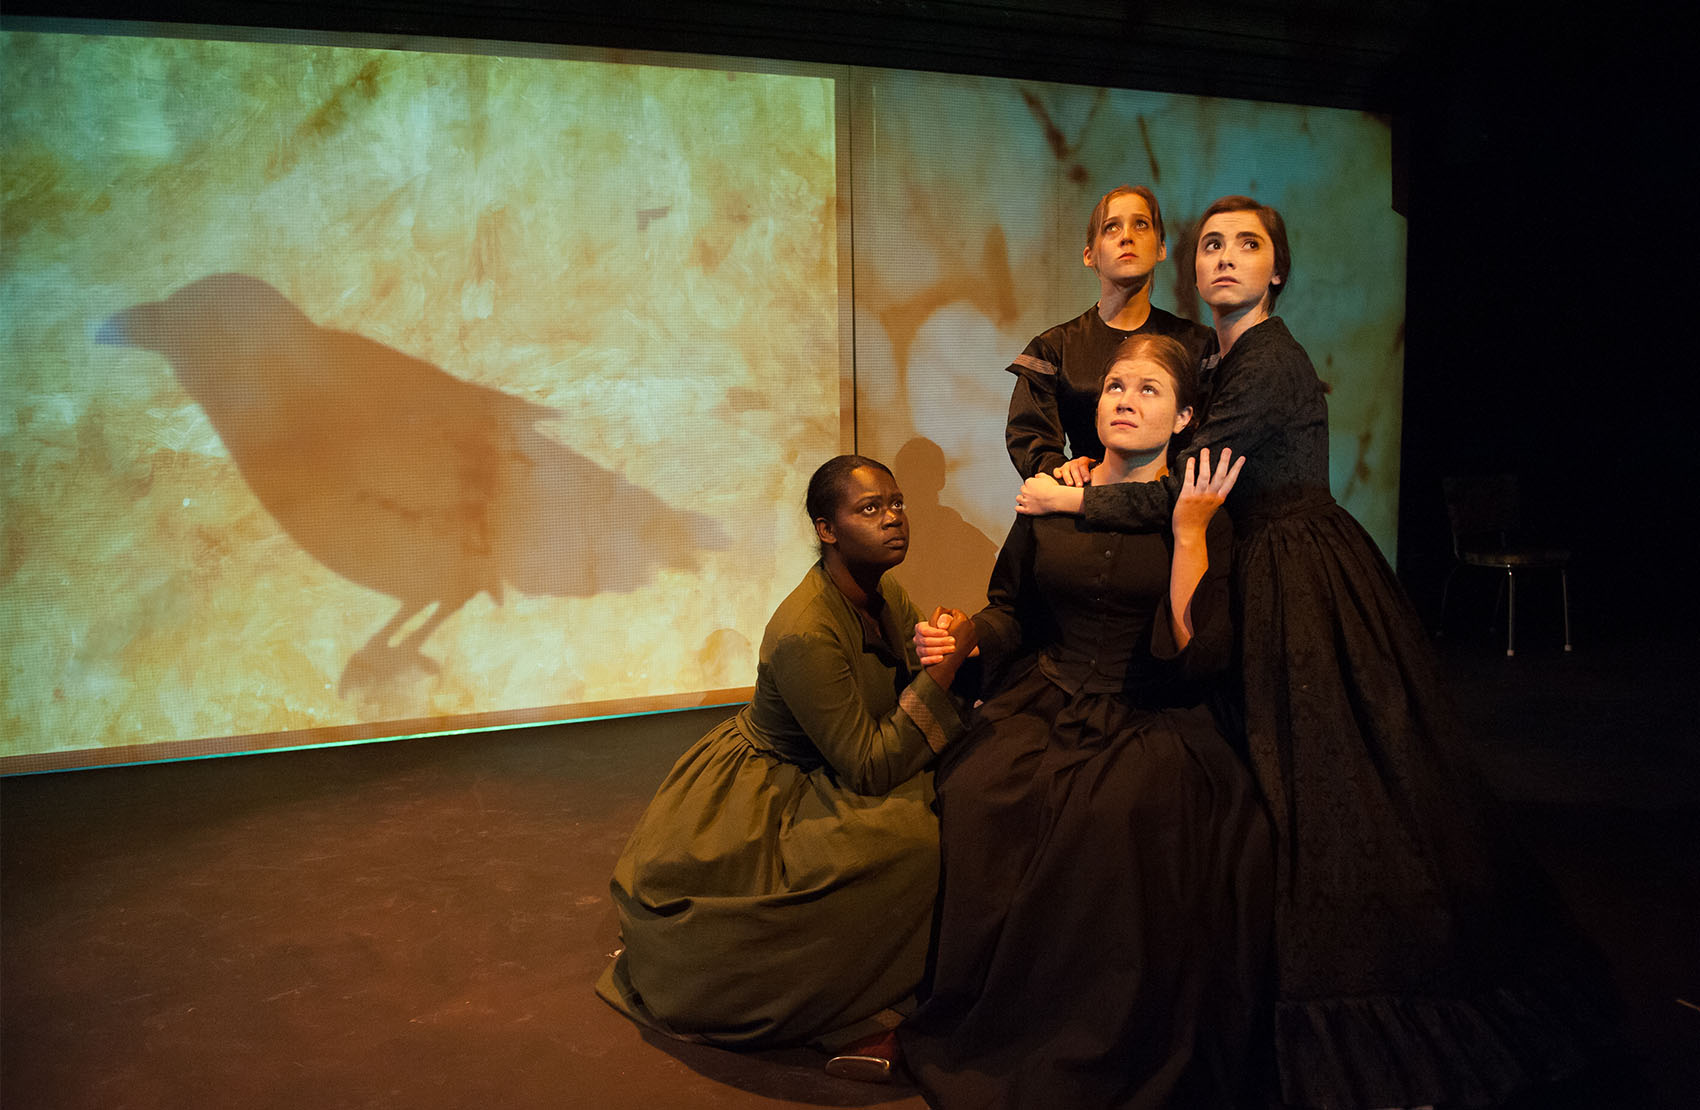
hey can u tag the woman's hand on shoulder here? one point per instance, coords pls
(1074, 472)
(1043, 494)
(1203, 490)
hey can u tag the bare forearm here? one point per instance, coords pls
(1186, 571)
(944, 671)
(1202, 494)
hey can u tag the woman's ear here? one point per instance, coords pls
(824, 532)
(1182, 419)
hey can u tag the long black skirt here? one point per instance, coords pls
(1103, 918)
(1420, 955)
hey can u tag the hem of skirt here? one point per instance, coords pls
(614, 988)
(1401, 1050)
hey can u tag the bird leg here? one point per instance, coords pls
(380, 665)
(417, 638)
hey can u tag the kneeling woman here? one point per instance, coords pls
(1102, 921)
(779, 889)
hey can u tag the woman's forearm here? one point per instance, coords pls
(1127, 506)
(1186, 571)
(944, 671)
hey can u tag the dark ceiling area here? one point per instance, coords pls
(1332, 52)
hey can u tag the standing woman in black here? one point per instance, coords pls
(1420, 957)
(1052, 425)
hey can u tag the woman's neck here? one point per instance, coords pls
(859, 585)
(1124, 307)
(1120, 467)
(1231, 325)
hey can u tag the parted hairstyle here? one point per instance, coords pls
(1272, 223)
(1167, 353)
(1095, 222)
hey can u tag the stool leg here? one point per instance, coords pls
(1510, 612)
(1445, 591)
(1564, 587)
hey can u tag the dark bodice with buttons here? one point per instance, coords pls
(1093, 607)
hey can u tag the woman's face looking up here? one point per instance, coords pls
(869, 527)
(1235, 262)
(1126, 248)
(1138, 409)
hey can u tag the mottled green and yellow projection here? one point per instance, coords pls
(971, 198)
(356, 392)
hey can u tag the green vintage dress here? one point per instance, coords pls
(780, 886)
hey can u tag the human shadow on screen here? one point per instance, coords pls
(950, 560)
(398, 475)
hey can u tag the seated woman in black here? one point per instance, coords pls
(1100, 935)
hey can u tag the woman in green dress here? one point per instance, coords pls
(779, 888)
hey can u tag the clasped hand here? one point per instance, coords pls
(946, 632)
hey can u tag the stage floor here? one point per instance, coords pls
(418, 924)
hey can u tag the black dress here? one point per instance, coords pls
(1057, 380)
(1420, 957)
(1103, 915)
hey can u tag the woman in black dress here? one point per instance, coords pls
(1420, 958)
(1052, 409)
(1103, 912)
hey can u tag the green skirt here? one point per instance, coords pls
(762, 904)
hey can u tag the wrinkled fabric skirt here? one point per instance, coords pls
(764, 905)
(1103, 918)
(1421, 957)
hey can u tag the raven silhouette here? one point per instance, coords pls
(398, 475)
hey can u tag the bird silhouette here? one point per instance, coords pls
(399, 476)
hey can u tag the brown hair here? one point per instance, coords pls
(1168, 354)
(1095, 223)
(1272, 223)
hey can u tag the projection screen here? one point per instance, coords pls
(360, 389)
